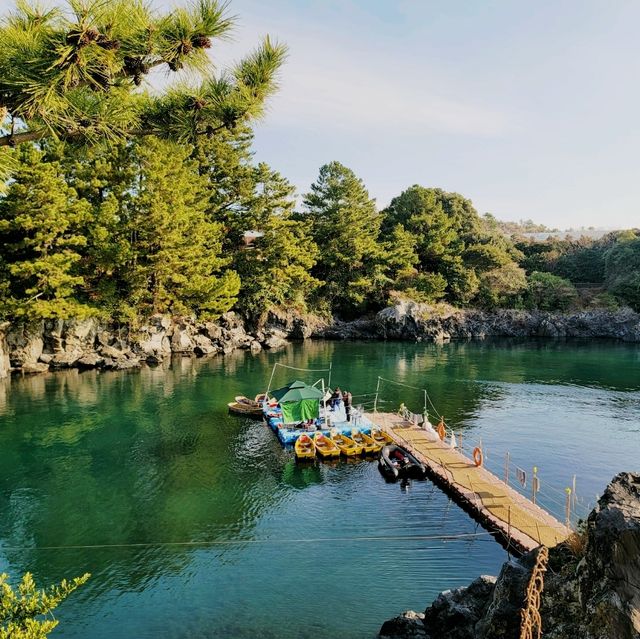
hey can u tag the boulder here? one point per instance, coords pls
(157, 345)
(181, 341)
(591, 588)
(457, 612)
(90, 360)
(274, 342)
(65, 359)
(203, 345)
(24, 344)
(5, 363)
(408, 625)
(34, 368)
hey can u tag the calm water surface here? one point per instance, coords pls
(235, 539)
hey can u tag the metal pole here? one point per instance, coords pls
(329, 382)
(273, 370)
(506, 468)
(324, 402)
(425, 402)
(568, 507)
(574, 494)
(534, 484)
(375, 401)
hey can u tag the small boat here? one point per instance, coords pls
(397, 462)
(369, 445)
(247, 410)
(381, 437)
(304, 447)
(326, 447)
(346, 445)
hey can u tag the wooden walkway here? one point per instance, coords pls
(522, 525)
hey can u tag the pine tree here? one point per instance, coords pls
(345, 226)
(276, 270)
(175, 262)
(73, 72)
(41, 231)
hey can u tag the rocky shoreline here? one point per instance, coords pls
(591, 586)
(90, 343)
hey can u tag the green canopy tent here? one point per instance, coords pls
(299, 401)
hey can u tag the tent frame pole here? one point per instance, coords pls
(324, 402)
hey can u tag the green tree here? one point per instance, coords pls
(345, 225)
(622, 269)
(41, 229)
(244, 197)
(22, 609)
(467, 252)
(72, 72)
(175, 263)
(549, 292)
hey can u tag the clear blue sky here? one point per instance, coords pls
(530, 109)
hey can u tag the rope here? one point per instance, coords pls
(231, 542)
(307, 370)
(531, 621)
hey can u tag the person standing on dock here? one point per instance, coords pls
(347, 398)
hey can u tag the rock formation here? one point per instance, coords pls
(422, 322)
(591, 589)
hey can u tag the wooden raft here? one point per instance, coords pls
(521, 524)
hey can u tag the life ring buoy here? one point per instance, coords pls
(441, 430)
(478, 457)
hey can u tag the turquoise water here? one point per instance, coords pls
(206, 527)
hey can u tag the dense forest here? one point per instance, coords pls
(120, 203)
(154, 226)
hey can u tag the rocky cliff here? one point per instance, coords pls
(90, 343)
(591, 587)
(421, 322)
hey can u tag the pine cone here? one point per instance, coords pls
(201, 42)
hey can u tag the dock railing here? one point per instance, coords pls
(563, 503)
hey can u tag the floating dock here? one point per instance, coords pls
(521, 524)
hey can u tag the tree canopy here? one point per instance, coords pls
(75, 73)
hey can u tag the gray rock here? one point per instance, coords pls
(274, 342)
(408, 625)
(593, 593)
(255, 346)
(5, 363)
(65, 359)
(181, 341)
(203, 346)
(91, 360)
(34, 368)
(112, 352)
(46, 358)
(25, 344)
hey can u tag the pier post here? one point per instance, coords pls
(534, 484)
(567, 507)
(507, 458)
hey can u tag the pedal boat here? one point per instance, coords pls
(305, 447)
(369, 445)
(346, 445)
(325, 446)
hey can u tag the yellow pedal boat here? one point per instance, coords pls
(380, 437)
(369, 445)
(304, 447)
(346, 445)
(325, 446)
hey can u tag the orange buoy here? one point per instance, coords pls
(441, 430)
(477, 456)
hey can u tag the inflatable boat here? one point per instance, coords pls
(398, 463)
